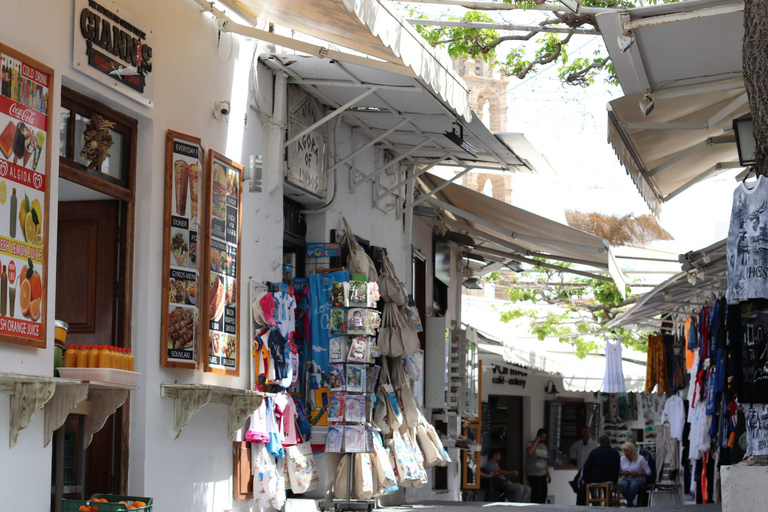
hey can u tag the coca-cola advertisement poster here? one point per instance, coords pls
(182, 264)
(24, 160)
(224, 179)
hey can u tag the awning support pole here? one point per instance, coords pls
(679, 157)
(330, 116)
(414, 176)
(435, 190)
(364, 147)
(701, 177)
(374, 174)
(728, 110)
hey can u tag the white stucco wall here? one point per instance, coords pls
(195, 472)
(189, 73)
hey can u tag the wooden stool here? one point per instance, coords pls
(607, 495)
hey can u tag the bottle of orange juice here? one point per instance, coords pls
(70, 357)
(93, 357)
(124, 359)
(82, 357)
(103, 357)
(130, 360)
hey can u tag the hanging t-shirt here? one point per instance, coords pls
(748, 243)
(285, 313)
(748, 336)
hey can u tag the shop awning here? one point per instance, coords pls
(507, 233)
(401, 113)
(373, 28)
(687, 56)
(702, 280)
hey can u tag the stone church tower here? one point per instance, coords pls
(486, 88)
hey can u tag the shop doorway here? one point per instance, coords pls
(505, 430)
(94, 271)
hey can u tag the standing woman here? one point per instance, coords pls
(536, 467)
(634, 471)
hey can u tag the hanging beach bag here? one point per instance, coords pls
(404, 460)
(302, 472)
(358, 262)
(435, 437)
(341, 486)
(421, 477)
(380, 413)
(385, 474)
(364, 476)
(394, 413)
(431, 455)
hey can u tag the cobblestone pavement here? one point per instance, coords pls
(466, 506)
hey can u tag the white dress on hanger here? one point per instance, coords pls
(613, 382)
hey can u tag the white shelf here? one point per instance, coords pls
(59, 397)
(190, 398)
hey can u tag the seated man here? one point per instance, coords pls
(602, 465)
(512, 491)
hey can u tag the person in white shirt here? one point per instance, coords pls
(581, 449)
(634, 471)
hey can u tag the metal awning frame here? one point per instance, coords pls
(379, 136)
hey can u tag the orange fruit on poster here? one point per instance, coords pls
(37, 286)
(25, 294)
(23, 274)
(34, 308)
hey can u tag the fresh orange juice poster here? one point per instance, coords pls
(24, 153)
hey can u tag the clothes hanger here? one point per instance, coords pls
(749, 171)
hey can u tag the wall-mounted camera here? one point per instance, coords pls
(221, 110)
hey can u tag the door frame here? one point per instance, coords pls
(71, 171)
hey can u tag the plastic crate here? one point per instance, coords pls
(112, 505)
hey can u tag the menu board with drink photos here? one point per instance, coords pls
(182, 255)
(224, 179)
(25, 120)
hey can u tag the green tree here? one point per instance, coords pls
(584, 306)
(547, 47)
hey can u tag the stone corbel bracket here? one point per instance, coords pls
(190, 398)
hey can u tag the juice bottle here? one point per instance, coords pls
(70, 357)
(130, 360)
(3, 293)
(123, 359)
(93, 357)
(82, 357)
(13, 213)
(103, 357)
(115, 358)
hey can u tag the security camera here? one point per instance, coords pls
(221, 110)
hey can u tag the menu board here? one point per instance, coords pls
(24, 181)
(224, 179)
(182, 255)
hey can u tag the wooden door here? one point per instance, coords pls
(86, 284)
(86, 270)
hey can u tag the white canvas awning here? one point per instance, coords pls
(687, 57)
(508, 233)
(373, 28)
(552, 357)
(686, 139)
(702, 280)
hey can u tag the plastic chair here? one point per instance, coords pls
(671, 488)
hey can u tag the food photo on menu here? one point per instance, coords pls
(179, 247)
(219, 192)
(217, 293)
(181, 328)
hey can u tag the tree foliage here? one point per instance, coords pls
(538, 48)
(584, 306)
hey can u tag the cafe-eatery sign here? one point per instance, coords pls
(508, 375)
(114, 47)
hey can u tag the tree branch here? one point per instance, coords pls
(545, 60)
(579, 77)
